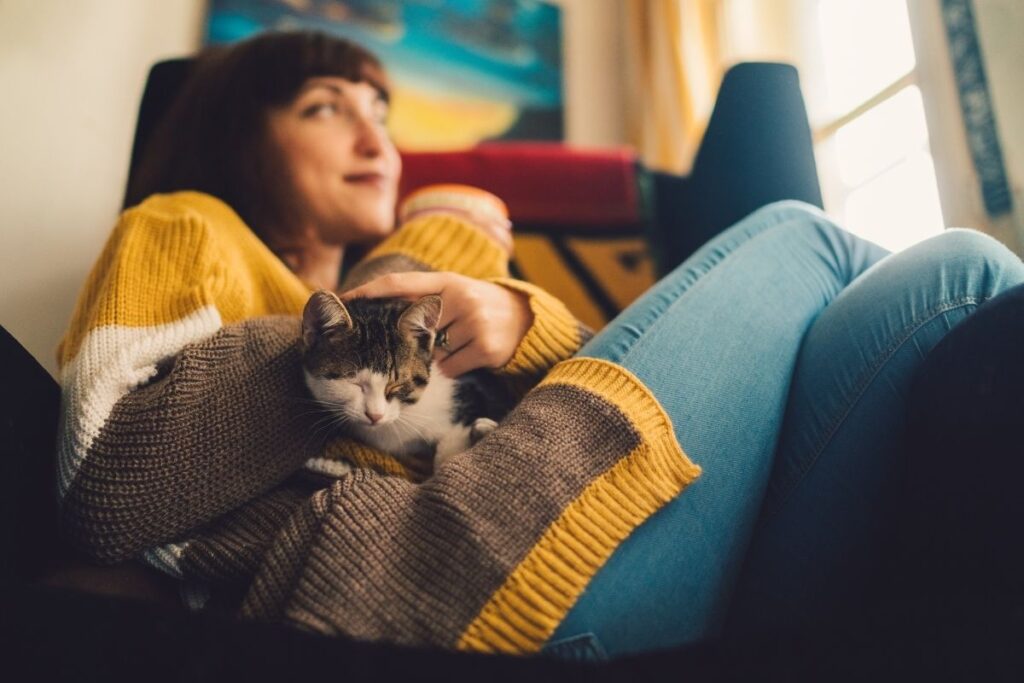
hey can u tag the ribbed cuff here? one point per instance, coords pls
(447, 242)
(554, 335)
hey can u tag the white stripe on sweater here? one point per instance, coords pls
(112, 361)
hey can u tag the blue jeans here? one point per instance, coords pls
(782, 350)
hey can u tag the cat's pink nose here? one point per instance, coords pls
(374, 418)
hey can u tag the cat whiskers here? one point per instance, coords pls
(415, 430)
(329, 421)
(318, 407)
(311, 443)
(407, 421)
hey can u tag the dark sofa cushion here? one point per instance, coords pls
(29, 408)
(965, 442)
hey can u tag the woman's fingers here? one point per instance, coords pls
(485, 321)
(409, 285)
(465, 356)
(458, 337)
(460, 362)
(482, 338)
(412, 285)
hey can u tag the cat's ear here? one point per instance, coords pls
(422, 317)
(324, 312)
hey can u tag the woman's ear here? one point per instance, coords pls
(323, 312)
(422, 317)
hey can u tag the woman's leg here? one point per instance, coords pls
(716, 341)
(830, 507)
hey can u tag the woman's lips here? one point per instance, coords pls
(377, 180)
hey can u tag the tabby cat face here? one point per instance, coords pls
(370, 357)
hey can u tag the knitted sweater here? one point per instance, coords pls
(187, 440)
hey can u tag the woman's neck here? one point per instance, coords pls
(318, 265)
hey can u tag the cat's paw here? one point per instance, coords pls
(455, 441)
(482, 426)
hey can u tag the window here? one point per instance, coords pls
(861, 82)
(871, 136)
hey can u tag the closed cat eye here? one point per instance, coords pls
(332, 375)
(399, 391)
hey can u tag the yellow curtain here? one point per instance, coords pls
(673, 72)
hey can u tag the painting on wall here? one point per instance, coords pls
(463, 71)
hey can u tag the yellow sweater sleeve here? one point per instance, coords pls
(555, 335)
(170, 261)
(446, 242)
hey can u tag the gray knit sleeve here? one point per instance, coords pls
(223, 423)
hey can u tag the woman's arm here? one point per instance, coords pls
(172, 414)
(460, 229)
(458, 243)
(507, 325)
(225, 424)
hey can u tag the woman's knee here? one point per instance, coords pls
(788, 212)
(803, 228)
(977, 258)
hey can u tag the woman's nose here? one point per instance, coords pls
(370, 141)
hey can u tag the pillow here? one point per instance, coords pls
(580, 224)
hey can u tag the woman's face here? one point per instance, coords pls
(343, 166)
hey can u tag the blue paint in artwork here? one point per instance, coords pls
(508, 50)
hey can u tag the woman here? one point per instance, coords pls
(764, 376)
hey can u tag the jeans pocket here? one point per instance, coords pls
(584, 647)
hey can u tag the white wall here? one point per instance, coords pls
(593, 71)
(71, 74)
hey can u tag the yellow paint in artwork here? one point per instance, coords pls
(420, 120)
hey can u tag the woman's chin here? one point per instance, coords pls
(358, 234)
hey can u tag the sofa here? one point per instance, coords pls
(757, 149)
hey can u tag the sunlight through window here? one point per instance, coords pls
(898, 208)
(867, 45)
(882, 136)
(877, 169)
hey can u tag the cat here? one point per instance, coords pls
(370, 361)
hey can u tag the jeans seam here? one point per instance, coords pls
(582, 646)
(869, 377)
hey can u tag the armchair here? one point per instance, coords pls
(595, 225)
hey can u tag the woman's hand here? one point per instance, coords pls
(485, 322)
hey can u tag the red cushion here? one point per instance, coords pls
(542, 183)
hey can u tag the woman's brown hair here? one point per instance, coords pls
(214, 136)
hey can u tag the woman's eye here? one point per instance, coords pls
(328, 109)
(324, 109)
